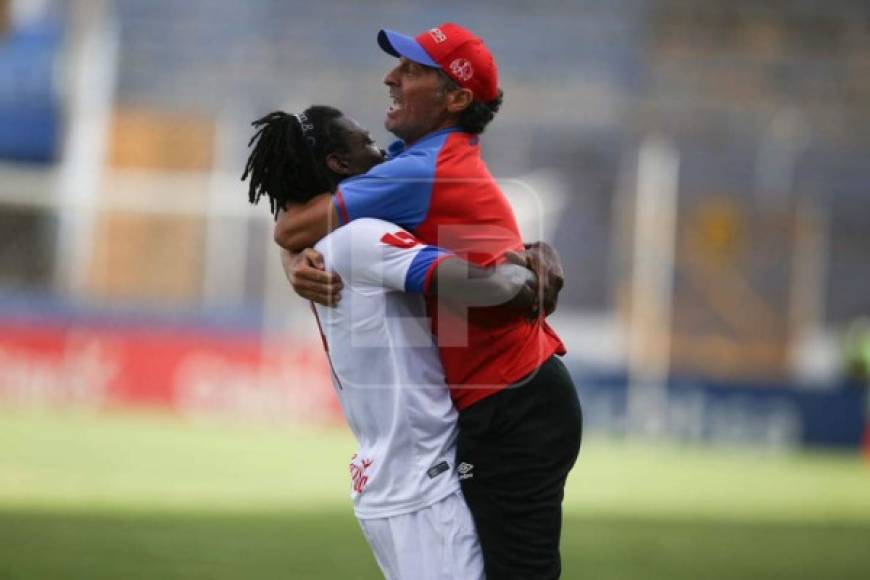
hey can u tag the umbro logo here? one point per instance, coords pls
(465, 470)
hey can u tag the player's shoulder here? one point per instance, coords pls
(366, 227)
(363, 232)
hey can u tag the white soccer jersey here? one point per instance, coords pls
(386, 370)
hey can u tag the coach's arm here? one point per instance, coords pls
(297, 228)
(301, 225)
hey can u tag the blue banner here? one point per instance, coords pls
(30, 124)
(762, 415)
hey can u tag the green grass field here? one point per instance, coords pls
(144, 497)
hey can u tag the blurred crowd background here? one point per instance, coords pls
(702, 167)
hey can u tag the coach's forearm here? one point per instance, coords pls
(300, 226)
(287, 258)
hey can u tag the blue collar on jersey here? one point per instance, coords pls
(397, 147)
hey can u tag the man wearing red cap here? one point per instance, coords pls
(519, 415)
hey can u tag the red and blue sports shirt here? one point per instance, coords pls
(440, 189)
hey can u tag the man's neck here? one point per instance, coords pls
(447, 124)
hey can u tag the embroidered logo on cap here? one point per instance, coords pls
(462, 69)
(437, 35)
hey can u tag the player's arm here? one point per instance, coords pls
(459, 282)
(399, 261)
(530, 282)
(543, 259)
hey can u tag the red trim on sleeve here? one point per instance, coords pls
(342, 209)
(427, 280)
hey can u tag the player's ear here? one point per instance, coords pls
(337, 164)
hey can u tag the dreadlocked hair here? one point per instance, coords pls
(288, 162)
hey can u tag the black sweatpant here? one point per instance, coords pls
(514, 452)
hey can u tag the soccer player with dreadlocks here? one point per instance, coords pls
(385, 367)
(520, 419)
(296, 155)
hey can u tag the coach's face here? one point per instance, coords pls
(418, 104)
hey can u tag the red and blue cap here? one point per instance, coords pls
(455, 50)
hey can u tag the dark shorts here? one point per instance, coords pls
(514, 452)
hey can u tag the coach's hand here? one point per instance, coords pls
(543, 260)
(307, 275)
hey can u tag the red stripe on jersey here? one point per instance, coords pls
(470, 216)
(427, 280)
(325, 345)
(342, 209)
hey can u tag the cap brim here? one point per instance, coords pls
(401, 45)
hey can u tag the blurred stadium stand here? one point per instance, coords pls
(136, 203)
(29, 95)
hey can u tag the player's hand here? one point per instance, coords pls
(542, 259)
(527, 298)
(310, 280)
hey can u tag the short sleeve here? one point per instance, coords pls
(373, 253)
(408, 263)
(397, 191)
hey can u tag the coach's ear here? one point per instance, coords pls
(337, 164)
(459, 100)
